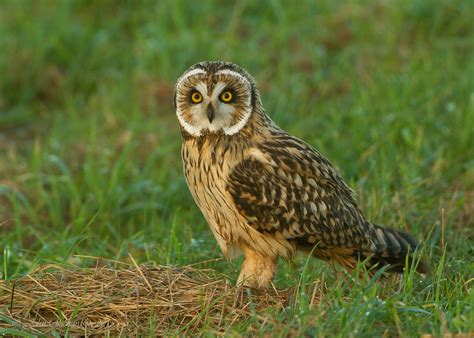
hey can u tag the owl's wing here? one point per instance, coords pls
(285, 186)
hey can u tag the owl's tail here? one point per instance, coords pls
(396, 249)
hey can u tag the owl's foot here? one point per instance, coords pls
(257, 271)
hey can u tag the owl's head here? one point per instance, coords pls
(214, 96)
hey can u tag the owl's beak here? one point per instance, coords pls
(211, 112)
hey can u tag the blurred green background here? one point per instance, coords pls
(90, 146)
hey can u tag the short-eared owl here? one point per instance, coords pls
(266, 193)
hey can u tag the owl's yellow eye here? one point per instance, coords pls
(226, 96)
(196, 97)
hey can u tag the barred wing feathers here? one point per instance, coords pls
(287, 188)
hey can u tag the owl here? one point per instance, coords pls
(266, 193)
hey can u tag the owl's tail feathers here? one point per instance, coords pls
(396, 249)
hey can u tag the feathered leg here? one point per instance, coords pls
(257, 271)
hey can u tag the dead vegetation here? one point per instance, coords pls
(147, 299)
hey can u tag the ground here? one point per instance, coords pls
(89, 144)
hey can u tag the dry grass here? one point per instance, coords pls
(136, 299)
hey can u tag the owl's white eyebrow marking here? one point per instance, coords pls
(218, 89)
(188, 74)
(201, 87)
(233, 73)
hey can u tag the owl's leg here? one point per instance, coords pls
(257, 270)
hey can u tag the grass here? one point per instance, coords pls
(89, 144)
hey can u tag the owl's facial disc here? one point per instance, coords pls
(214, 102)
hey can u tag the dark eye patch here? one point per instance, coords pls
(195, 97)
(233, 93)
